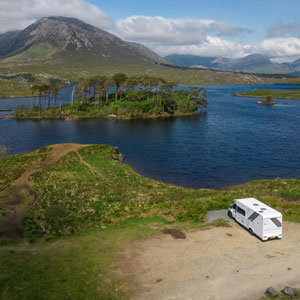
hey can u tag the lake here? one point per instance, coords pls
(230, 142)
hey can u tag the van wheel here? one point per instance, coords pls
(251, 231)
(229, 214)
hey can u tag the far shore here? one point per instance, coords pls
(263, 93)
(251, 96)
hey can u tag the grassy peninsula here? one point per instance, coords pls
(78, 205)
(263, 93)
(117, 97)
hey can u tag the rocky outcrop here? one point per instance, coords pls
(271, 292)
(292, 292)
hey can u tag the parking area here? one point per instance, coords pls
(216, 263)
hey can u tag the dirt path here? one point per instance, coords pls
(21, 191)
(93, 169)
(218, 263)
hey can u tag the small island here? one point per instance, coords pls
(116, 97)
(266, 101)
(290, 95)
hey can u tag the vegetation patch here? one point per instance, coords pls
(116, 97)
(79, 267)
(264, 93)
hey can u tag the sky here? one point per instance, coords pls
(229, 28)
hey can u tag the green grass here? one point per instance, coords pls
(91, 188)
(14, 88)
(79, 267)
(77, 196)
(262, 93)
(89, 207)
(39, 52)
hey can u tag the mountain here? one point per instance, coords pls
(191, 60)
(67, 39)
(257, 63)
(295, 66)
(253, 63)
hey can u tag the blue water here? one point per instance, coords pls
(232, 141)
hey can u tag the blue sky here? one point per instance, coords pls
(230, 28)
(257, 15)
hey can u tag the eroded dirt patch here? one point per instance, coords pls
(219, 263)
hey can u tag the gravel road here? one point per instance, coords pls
(210, 264)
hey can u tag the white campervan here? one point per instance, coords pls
(259, 218)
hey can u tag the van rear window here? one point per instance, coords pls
(276, 222)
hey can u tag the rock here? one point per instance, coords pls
(112, 116)
(290, 291)
(271, 292)
(177, 234)
(119, 156)
(263, 102)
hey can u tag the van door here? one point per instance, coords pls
(233, 210)
(240, 216)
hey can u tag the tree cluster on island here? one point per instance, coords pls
(119, 96)
(268, 100)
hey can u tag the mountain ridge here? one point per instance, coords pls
(253, 63)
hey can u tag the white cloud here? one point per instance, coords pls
(213, 46)
(182, 36)
(280, 47)
(168, 31)
(17, 14)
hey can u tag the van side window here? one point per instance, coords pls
(240, 211)
(253, 216)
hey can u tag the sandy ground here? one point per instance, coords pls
(217, 263)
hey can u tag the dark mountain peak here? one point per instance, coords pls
(70, 38)
(75, 22)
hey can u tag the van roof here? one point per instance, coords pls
(259, 207)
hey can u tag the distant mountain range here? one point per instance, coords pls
(66, 49)
(254, 63)
(68, 39)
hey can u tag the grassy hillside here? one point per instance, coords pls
(263, 93)
(73, 70)
(78, 206)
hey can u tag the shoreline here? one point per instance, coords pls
(180, 84)
(75, 118)
(123, 157)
